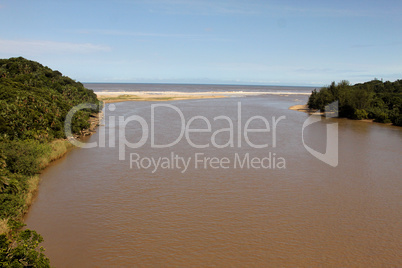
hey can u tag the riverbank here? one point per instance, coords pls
(35, 101)
(304, 108)
(54, 150)
(50, 152)
(110, 96)
(59, 148)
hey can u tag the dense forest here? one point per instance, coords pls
(378, 100)
(34, 101)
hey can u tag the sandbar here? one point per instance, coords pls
(119, 96)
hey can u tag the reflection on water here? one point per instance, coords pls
(94, 211)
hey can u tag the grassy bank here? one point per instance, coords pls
(22, 187)
(20, 248)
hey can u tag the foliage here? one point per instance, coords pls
(13, 187)
(22, 250)
(34, 102)
(24, 157)
(381, 101)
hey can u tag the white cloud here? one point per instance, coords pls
(38, 47)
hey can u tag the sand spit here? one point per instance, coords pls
(109, 96)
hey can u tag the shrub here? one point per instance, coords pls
(360, 114)
(24, 252)
(24, 157)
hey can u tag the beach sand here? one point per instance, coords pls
(304, 108)
(300, 108)
(109, 96)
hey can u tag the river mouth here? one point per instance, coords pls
(100, 207)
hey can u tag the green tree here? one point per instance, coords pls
(378, 100)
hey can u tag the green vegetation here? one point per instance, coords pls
(34, 101)
(22, 250)
(381, 101)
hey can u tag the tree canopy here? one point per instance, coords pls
(378, 100)
(34, 101)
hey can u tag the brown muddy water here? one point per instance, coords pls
(94, 210)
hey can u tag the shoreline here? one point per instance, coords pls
(59, 148)
(304, 108)
(120, 96)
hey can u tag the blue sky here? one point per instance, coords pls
(235, 42)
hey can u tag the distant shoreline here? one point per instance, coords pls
(120, 96)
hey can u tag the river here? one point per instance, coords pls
(235, 204)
